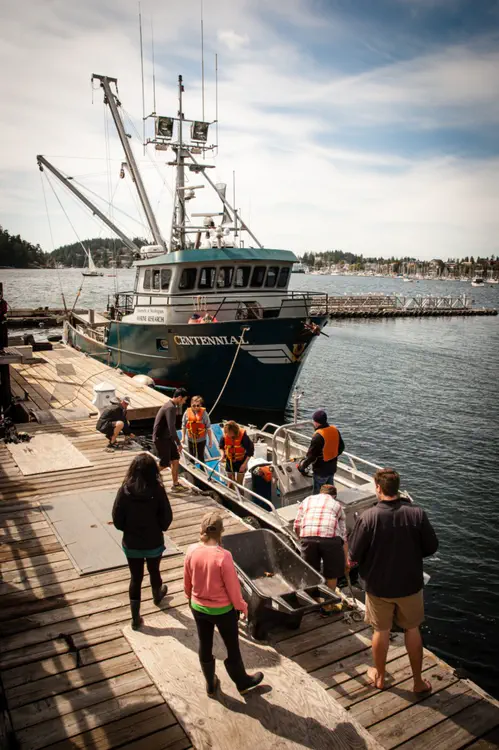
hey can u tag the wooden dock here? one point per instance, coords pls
(63, 379)
(70, 678)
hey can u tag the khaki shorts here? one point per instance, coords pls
(407, 611)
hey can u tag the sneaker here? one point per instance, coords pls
(178, 488)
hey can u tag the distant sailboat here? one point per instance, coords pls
(92, 269)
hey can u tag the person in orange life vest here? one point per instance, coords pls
(261, 483)
(195, 318)
(196, 424)
(237, 448)
(325, 447)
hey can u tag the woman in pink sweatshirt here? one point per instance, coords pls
(214, 593)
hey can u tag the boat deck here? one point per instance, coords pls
(63, 378)
(71, 679)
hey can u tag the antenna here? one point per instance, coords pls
(142, 75)
(202, 61)
(153, 71)
(216, 97)
(234, 202)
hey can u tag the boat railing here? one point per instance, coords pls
(256, 304)
(355, 462)
(231, 483)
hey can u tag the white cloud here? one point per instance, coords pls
(281, 117)
(232, 40)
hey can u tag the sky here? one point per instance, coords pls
(361, 125)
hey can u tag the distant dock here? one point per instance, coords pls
(398, 306)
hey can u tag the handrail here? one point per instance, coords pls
(237, 485)
(289, 429)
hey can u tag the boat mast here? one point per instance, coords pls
(113, 102)
(42, 162)
(178, 223)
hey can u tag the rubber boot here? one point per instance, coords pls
(159, 594)
(237, 673)
(137, 620)
(212, 681)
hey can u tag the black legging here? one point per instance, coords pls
(197, 449)
(227, 627)
(136, 565)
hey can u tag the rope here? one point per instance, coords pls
(52, 240)
(230, 371)
(66, 215)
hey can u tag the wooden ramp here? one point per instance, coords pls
(63, 379)
(290, 710)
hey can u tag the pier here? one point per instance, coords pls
(398, 306)
(73, 675)
(57, 385)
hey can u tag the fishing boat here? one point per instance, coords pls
(210, 309)
(92, 268)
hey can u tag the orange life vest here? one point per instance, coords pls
(234, 451)
(266, 473)
(331, 442)
(196, 428)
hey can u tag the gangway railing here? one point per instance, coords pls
(232, 483)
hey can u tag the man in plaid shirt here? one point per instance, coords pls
(320, 524)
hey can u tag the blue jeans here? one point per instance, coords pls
(319, 481)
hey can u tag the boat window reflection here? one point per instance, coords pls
(207, 277)
(271, 279)
(188, 278)
(166, 277)
(148, 279)
(282, 281)
(242, 276)
(224, 278)
(258, 276)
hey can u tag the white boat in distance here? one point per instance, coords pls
(92, 268)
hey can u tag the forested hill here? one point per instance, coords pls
(17, 253)
(103, 249)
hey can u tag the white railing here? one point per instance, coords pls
(232, 483)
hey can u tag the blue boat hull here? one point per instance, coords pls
(200, 357)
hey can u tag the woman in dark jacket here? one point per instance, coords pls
(142, 511)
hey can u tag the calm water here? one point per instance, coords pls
(420, 395)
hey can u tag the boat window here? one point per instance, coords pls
(166, 277)
(188, 278)
(242, 276)
(147, 278)
(271, 279)
(156, 274)
(207, 277)
(283, 278)
(224, 277)
(258, 275)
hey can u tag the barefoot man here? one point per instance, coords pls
(389, 542)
